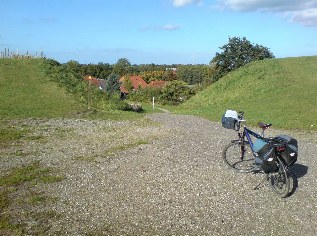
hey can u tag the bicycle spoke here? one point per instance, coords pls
(239, 157)
(279, 181)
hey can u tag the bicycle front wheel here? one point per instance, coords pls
(279, 181)
(239, 156)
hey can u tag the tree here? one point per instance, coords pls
(236, 53)
(127, 83)
(122, 67)
(90, 69)
(169, 75)
(194, 74)
(149, 76)
(112, 83)
(105, 69)
(73, 66)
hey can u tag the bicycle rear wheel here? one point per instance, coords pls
(279, 181)
(239, 156)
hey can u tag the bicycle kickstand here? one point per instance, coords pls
(266, 178)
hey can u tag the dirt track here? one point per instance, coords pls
(162, 178)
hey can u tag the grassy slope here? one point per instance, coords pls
(280, 91)
(25, 92)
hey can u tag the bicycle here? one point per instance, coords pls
(272, 155)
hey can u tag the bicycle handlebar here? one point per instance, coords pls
(261, 125)
(240, 115)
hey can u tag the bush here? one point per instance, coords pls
(176, 92)
(145, 94)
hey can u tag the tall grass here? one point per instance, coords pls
(279, 91)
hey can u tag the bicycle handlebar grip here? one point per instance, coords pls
(240, 114)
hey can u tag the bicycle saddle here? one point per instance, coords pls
(263, 125)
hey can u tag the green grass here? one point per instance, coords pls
(123, 147)
(278, 91)
(25, 178)
(148, 107)
(9, 134)
(26, 92)
(29, 173)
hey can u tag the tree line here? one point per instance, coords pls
(191, 74)
(70, 76)
(184, 80)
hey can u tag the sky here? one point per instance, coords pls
(155, 31)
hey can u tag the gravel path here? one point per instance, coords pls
(161, 178)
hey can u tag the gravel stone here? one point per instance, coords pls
(174, 182)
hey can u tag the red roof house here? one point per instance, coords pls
(92, 80)
(136, 80)
(100, 83)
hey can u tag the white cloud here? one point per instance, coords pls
(301, 11)
(43, 20)
(167, 27)
(306, 17)
(170, 27)
(181, 3)
(264, 5)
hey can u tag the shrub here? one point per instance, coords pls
(176, 92)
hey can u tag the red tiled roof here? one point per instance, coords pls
(93, 80)
(136, 81)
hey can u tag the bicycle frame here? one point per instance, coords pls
(247, 133)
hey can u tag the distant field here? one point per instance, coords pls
(279, 91)
(26, 92)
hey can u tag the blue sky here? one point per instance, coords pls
(155, 31)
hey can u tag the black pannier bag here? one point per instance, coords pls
(229, 119)
(291, 149)
(265, 156)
